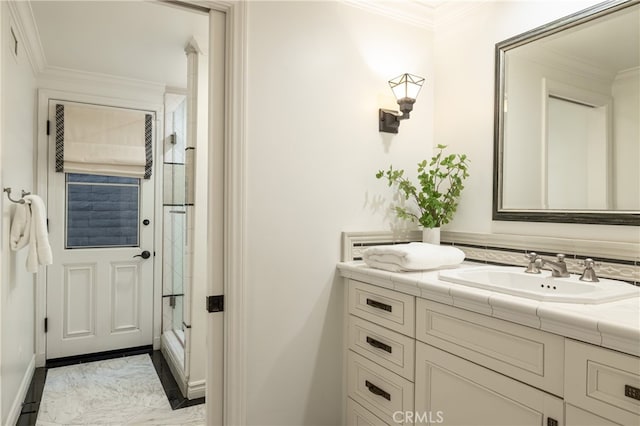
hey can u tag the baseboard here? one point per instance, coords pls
(174, 363)
(196, 389)
(41, 360)
(16, 407)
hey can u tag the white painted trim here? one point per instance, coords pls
(418, 14)
(196, 389)
(28, 33)
(64, 75)
(235, 357)
(2, 200)
(16, 407)
(170, 347)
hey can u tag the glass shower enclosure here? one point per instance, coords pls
(175, 236)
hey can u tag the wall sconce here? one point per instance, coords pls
(406, 88)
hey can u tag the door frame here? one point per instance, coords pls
(233, 388)
(42, 167)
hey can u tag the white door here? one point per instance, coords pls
(100, 287)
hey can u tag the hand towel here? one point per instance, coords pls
(20, 227)
(39, 247)
(412, 257)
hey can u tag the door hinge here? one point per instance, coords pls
(215, 303)
(46, 325)
(48, 127)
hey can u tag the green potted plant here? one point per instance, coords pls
(440, 182)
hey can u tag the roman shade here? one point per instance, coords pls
(103, 141)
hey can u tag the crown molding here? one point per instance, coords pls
(450, 11)
(429, 14)
(104, 81)
(22, 15)
(417, 13)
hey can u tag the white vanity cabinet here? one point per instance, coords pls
(380, 358)
(411, 360)
(467, 363)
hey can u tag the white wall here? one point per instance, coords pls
(17, 285)
(318, 73)
(464, 114)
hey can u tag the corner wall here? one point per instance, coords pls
(17, 171)
(317, 74)
(464, 81)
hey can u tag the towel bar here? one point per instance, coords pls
(20, 201)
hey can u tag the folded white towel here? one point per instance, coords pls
(20, 227)
(39, 248)
(412, 257)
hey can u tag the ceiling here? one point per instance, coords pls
(139, 40)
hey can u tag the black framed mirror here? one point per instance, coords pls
(567, 120)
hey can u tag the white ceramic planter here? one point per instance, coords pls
(431, 235)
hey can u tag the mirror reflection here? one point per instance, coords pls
(568, 115)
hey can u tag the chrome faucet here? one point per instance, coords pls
(558, 268)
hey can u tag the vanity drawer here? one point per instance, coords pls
(391, 350)
(598, 379)
(357, 415)
(526, 354)
(388, 308)
(378, 390)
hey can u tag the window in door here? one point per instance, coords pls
(102, 211)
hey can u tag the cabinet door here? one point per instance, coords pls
(463, 393)
(603, 381)
(579, 417)
(357, 415)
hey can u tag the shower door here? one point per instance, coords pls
(100, 286)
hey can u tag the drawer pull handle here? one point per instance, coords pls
(378, 344)
(632, 392)
(379, 305)
(377, 391)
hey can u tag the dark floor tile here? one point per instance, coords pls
(27, 419)
(30, 407)
(171, 389)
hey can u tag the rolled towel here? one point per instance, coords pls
(39, 247)
(412, 257)
(20, 227)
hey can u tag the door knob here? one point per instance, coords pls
(145, 254)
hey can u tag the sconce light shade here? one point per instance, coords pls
(405, 88)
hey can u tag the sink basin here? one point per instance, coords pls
(543, 287)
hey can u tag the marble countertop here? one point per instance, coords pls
(614, 325)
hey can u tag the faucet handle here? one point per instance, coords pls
(534, 266)
(589, 263)
(560, 257)
(589, 274)
(531, 256)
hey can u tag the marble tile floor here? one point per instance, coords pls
(119, 391)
